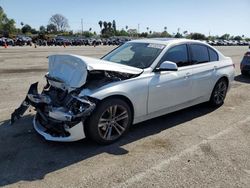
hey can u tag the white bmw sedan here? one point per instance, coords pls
(140, 80)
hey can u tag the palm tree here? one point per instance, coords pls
(165, 29)
(109, 24)
(150, 32)
(126, 27)
(185, 32)
(22, 24)
(100, 24)
(147, 29)
(105, 25)
(90, 29)
(178, 30)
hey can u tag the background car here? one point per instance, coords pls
(245, 63)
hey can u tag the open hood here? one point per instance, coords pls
(70, 71)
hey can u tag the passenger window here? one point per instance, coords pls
(213, 56)
(178, 55)
(199, 53)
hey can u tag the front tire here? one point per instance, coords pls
(219, 93)
(110, 121)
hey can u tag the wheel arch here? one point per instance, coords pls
(124, 98)
(224, 77)
(87, 127)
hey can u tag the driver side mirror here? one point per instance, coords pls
(167, 66)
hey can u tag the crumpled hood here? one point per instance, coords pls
(72, 70)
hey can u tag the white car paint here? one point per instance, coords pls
(151, 93)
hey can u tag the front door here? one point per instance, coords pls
(171, 88)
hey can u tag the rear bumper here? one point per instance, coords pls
(245, 68)
(245, 64)
(75, 133)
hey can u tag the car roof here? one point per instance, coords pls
(166, 41)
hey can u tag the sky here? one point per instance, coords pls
(211, 16)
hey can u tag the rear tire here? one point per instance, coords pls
(219, 93)
(110, 121)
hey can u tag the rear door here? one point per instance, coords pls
(205, 61)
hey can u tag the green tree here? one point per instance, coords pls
(42, 29)
(114, 25)
(197, 36)
(178, 35)
(107, 30)
(34, 31)
(87, 34)
(109, 24)
(238, 38)
(143, 34)
(105, 25)
(7, 26)
(165, 34)
(100, 24)
(225, 37)
(121, 33)
(51, 28)
(26, 29)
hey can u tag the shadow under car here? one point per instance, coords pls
(26, 156)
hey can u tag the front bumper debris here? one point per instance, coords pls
(18, 113)
(56, 122)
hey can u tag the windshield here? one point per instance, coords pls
(140, 55)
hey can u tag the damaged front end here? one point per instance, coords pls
(61, 108)
(60, 114)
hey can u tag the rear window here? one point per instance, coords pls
(199, 53)
(213, 55)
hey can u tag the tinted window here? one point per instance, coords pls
(199, 53)
(212, 55)
(178, 55)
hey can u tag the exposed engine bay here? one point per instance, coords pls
(97, 79)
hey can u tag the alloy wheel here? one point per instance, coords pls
(113, 122)
(220, 92)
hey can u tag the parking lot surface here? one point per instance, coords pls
(195, 147)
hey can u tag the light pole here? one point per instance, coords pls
(82, 26)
